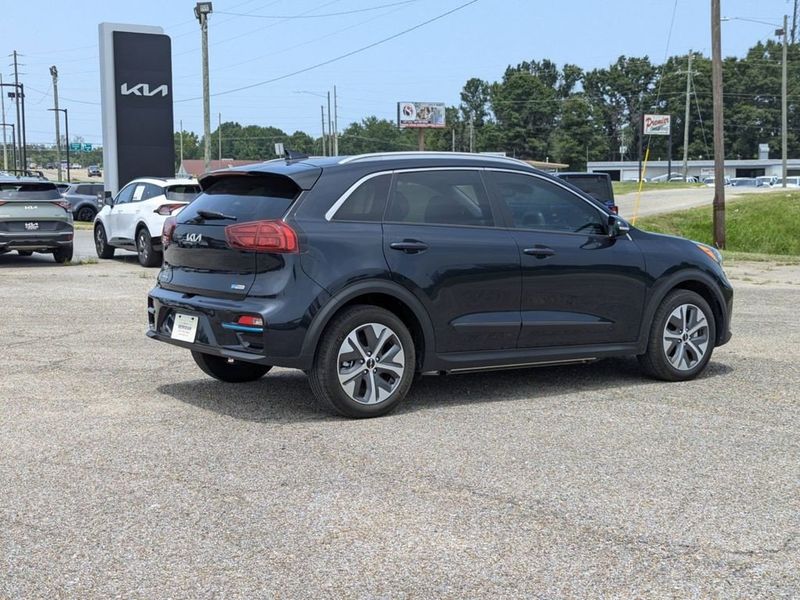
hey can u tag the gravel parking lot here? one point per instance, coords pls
(125, 472)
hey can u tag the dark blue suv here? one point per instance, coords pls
(366, 270)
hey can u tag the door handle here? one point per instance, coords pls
(539, 251)
(409, 246)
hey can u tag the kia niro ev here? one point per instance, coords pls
(34, 218)
(366, 270)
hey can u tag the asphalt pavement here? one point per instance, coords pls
(128, 473)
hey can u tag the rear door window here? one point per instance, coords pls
(84, 189)
(244, 198)
(367, 202)
(440, 197)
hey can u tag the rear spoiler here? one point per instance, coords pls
(304, 175)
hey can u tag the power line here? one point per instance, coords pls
(320, 16)
(340, 57)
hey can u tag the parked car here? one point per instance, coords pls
(363, 271)
(709, 181)
(682, 179)
(664, 178)
(83, 200)
(93, 171)
(791, 182)
(34, 218)
(745, 182)
(134, 218)
(767, 180)
(597, 185)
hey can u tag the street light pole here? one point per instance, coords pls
(54, 74)
(719, 141)
(201, 11)
(66, 133)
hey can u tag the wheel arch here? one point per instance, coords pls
(384, 294)
(693, 281)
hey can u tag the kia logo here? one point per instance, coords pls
(193, 238)
(143, 89)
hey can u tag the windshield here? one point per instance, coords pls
(597, 187)
(182, 193)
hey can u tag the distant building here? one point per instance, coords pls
(192, 167)
(629, 170)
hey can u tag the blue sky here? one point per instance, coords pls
(431, 63)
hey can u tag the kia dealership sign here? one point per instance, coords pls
(136, 85)
(657, 124)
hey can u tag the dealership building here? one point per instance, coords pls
(763, 165)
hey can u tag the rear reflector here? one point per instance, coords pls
(250, 321)
(262, 236)
(167, 231)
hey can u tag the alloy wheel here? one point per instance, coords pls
(686, 337)
(370, 363)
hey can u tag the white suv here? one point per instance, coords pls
(134, 218)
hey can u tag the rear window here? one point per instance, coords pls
(182, 193)
(245, 197)
(28, 191)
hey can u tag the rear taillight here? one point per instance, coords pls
(2, 202)
(262, 236)
(615, 209)
(167, 231)
(63, 204)
(167, 209)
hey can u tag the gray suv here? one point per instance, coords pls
(83, 200)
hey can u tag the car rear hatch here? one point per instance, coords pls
(231, 232)
(35, 207)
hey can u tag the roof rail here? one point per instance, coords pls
(420, 153)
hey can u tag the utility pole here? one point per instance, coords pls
(719, 141)
(20, 130)
(472, 132)
(54, 75)
(784, 110)
(794, 23)
(322, 113)
(3, 105)
(201, 11)
(219, 135)
(330, 127)
(686, 119)
(335, 124)
(453, 139)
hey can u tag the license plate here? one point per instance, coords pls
(185, 328)
(31, 226)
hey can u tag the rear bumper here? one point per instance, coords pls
(18, 240)
(279, 344)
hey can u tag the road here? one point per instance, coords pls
(668, 200)
(128, 473)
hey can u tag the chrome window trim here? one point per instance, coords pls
(411, 154)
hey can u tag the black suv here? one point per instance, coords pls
(366, 270)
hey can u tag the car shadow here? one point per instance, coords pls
(285, 396)
(12, 259)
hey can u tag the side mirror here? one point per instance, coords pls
(617, 226)
(108, 200)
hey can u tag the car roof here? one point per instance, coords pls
(305, 171)
(580, 174)
(164, 181)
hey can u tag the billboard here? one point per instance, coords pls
(136, 94)
(657, 124)
(420, 115)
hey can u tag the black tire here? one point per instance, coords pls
(25, 252)
(101, 242)
(85, 213)
(657, 361)
(63, 255)
(148, 256)
(231, 371)
(324, 376)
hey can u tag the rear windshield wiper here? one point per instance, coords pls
(210, 215)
